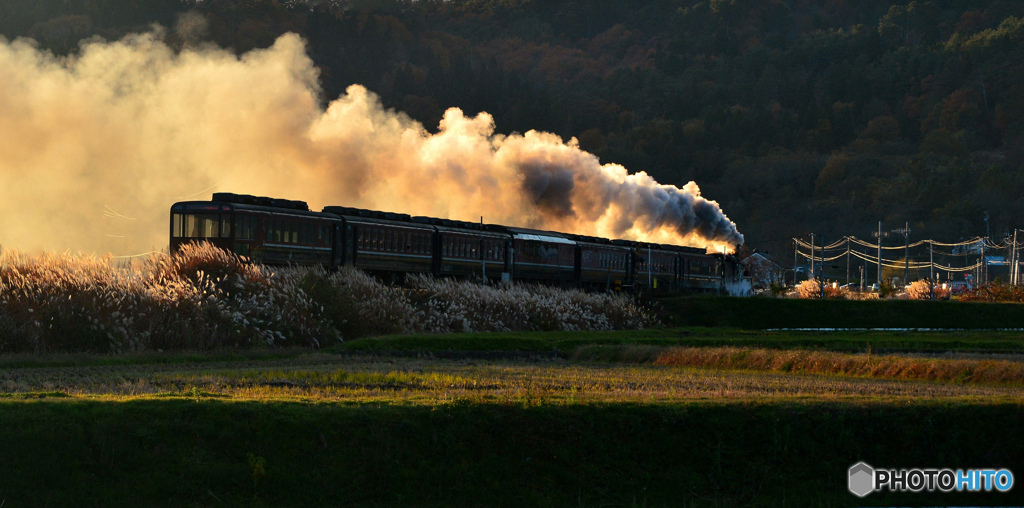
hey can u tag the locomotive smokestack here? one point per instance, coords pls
(133, 126)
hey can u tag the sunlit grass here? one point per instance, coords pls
(1005, 370)
(204, 298)
(370, 379)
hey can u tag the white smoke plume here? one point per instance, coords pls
(94, 149)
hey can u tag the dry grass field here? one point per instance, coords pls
(320, 377)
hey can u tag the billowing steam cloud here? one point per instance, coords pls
(95, 148)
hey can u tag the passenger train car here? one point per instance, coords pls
(390, 246)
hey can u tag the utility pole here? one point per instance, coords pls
(879, 255)
(931, 267)
(847, 263)
(796, 252)
(821, 269)
(1013, 256)
(984, 261)
(811, 273)
(906, 253)
(1013, 248)
(879, 236)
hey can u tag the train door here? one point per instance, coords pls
(337, 245)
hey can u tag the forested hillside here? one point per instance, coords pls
(796, 116)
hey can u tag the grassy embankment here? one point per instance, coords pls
(201, 452)
(304, 429)
(509, 419)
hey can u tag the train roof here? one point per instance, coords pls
(688, 250)
(225, 206)
(536, 235)
(246, 199)
(347, 211)
(474, 232)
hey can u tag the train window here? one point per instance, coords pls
(176, 225)
(242, 227)
(206, 225)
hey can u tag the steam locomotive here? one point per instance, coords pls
(391, 245)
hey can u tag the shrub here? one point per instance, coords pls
(922, 290)
(995, 292)
(203, 297)
(810, 288)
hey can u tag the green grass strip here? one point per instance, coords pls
(762, 313)
(174, 452)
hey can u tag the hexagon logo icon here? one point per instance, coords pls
(862, 479)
